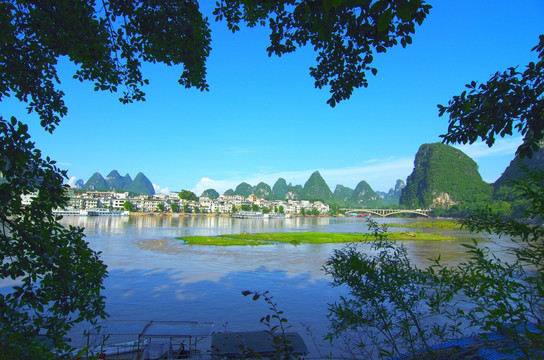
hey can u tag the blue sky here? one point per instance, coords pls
(263, 119)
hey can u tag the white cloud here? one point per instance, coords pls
(161, 190)
(219, 185)
(71, 182)
(501, 147)
(381, 174)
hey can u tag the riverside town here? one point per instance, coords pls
(171, 203)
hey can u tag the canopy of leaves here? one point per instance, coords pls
(59, 278)
(107, 41)
(345, 34)
(128, 205)
(509, 101)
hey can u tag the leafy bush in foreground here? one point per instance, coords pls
(394, 308)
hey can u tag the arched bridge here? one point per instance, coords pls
(387, 212)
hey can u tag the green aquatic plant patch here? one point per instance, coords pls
(302, 238)
(448, 225)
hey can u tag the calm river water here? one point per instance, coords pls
(154, 276)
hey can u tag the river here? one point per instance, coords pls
(154, 276)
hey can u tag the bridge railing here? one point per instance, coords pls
(387, 212)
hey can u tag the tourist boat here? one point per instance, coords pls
(146, 340)
(70, 212)
(96, 212)
(248, 215)
(277, 216)
(107, 213)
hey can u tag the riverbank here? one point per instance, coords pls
(449, 225)
(304, 238)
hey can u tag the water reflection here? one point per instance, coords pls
(204, 225)
(152, 275)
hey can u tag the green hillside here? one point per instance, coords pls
(443, 176)
(115, 181)
(243, 189)
(392, 197)
(316, 189)
(280, 189)
(95, 183)
(294, 192)
(364, 196)
(263, 190)
(342, 195)
(515, 170)
(210, 193)
(141, 185)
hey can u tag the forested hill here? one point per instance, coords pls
(443, 176)
(116, 182)
(515, 170)
(316, 189)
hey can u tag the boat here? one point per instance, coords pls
(499, 345)
(70, 212)
(248, 215)
(257, 344)
(95, 212)
(366, 216)
(146, 340)
(107, 213)
(277, 216)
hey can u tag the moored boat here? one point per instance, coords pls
(248, 215)
(146, 340)
(108, 213)
(277, 216)
(70, 212)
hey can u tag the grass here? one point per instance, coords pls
(449, 225)
(302, 238)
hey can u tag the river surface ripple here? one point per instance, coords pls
(154, 276)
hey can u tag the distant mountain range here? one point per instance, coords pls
(442, 176)
(115, 182)
(316, 189)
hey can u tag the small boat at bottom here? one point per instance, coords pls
(149, 340)
(259, 344)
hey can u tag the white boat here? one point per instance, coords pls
(248, 215)
(95, 212)
(70, 212)
(107, 213)
(277, 216)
